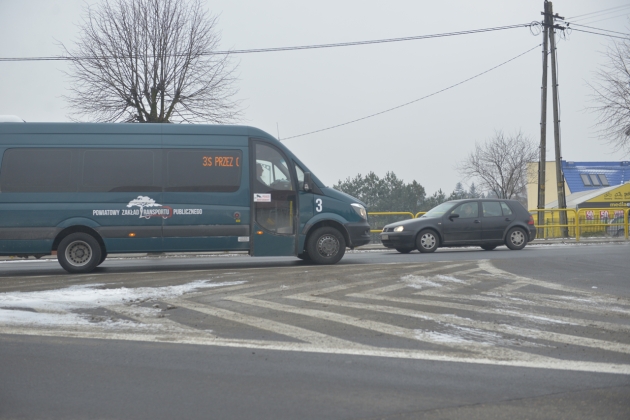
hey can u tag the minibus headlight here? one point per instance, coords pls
(360, 210)
(399, 228)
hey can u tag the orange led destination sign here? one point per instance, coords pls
(221, 161)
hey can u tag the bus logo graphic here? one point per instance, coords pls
(147, 208)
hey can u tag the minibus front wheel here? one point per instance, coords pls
(79, 252)
(326, 245)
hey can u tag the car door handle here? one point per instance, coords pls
(507, 219)
(477, 221)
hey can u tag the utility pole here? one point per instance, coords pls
(562, 201)
(542, 161)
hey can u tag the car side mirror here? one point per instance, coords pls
(453, 216)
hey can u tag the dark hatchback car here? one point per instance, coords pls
(487, 223)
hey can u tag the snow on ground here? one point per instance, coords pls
(418, 282)
(456, 334)
(54, 307)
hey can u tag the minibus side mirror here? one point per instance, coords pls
(309, 185)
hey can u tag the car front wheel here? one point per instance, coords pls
(427, 241)
(516, 239)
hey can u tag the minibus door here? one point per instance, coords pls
(306, 200)
(274, 203)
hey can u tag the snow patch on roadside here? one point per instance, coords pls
(54, 307)
(418, 282)
(456, 334)
(26, 260)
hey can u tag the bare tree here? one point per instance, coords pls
(611, 92)
(151, 61)
(500, 164)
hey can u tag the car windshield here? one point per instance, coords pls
(438, 210)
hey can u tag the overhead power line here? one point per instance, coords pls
(601, 34)
(601, 12)
(607, 18)
(294, 48)
(416, 100)
(597, 29)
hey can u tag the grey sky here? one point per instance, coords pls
(302, 91)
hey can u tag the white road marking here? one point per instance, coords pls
(466, 322)
(297, 333)
(556, 364)
(340, 293)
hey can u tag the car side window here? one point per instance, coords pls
(507, 211)
(467, 210)
(491, 208)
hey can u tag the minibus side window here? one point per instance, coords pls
(190, 170)
(119, 170)
(37, 170)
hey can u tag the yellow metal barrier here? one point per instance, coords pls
(420, 213)
(550, 227)
(389, 213)
(582, 223)
(602, 222)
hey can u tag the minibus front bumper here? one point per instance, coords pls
(358, 233)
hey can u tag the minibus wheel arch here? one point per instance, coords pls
(73, 229)
(332, 224)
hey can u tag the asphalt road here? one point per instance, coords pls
(539, 333)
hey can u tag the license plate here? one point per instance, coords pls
(385, 237)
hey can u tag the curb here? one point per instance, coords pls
(367, 247)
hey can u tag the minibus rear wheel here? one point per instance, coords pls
(79, 253)
(326, 245)
(103, 256)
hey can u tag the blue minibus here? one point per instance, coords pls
(81, 191)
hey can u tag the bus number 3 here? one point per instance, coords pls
(318, 205)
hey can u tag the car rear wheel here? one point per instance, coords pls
(427, 241)
(326, 245)
(79, 253)
(516, 239)
(404, 250)
(488, 247)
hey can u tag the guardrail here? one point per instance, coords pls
(596, 222)
(393, 213)
(549, 223)
(611, 222)
(582, 223)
